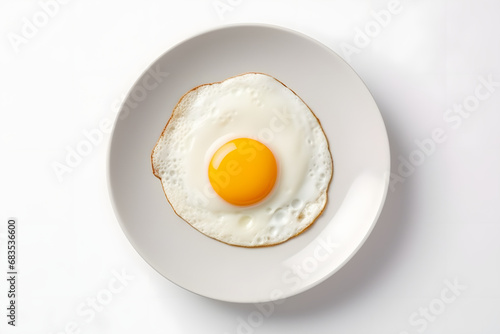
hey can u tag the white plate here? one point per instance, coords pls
(352, 123)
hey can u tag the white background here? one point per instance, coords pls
(439, 227)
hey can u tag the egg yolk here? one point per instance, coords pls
(243, 171)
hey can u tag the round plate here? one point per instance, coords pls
(350, 119)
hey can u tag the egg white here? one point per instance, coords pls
(257, 106)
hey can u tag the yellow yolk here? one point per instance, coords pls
(243, 171)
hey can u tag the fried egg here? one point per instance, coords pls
(244, 161)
